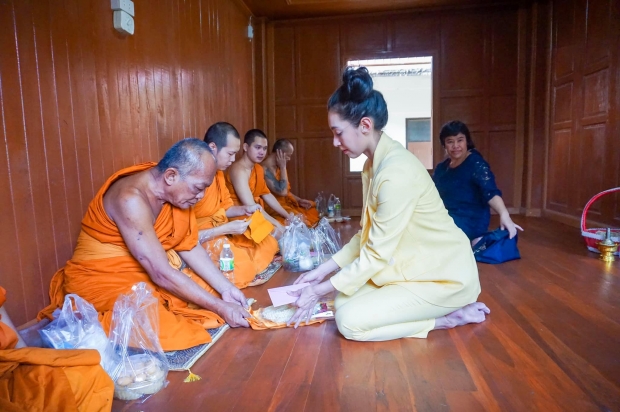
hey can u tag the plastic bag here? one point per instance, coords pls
(325, 242)
(77, 328)
(215, 248)
(141, 366)
(295, 246)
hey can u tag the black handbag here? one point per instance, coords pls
(496, 247)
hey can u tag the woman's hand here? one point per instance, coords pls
(306, 302)
(506, 223)
(314, 277)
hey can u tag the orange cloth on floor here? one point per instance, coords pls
(259, 227)
(257, 183)
(35, 379)
(8, 337)
(257, 322)
(102, 268)
(251, 258)
(289, 204)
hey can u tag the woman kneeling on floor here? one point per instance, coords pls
(410, 269)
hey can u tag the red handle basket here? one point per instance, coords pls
(593, 235)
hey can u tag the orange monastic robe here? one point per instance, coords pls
(289, 204)
(250, 258)
(257, 184)
(102, 268)
(35, 379)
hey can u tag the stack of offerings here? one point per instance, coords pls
(296, 245)
(325, 242)
(305, 249)
(141, 367)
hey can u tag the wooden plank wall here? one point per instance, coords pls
(479, 78)
(584, 129)
(78, 101)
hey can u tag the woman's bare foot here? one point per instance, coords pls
(473, 313)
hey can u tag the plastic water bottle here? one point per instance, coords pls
(227, 263)
(330, 206)
(319, 202)
(338, 209)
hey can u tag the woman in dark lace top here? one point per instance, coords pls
(466, 184)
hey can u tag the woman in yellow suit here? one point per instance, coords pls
(410, 269)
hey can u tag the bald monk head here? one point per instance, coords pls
(184, 172)
(224, 141)
(255, 145)
(135, 202)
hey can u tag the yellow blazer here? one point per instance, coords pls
(407, 237)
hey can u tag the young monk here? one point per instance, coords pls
(245, 179)
(278, 183)
(140, 228)
(216, 208)
(36, 379)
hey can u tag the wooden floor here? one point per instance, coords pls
(552, 342)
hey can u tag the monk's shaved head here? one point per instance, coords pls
(282, 144)
(186, 156)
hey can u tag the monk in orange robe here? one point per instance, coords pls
(140, 227)
(35, 379)
(245, 179)
(216, 208)
(279, 184)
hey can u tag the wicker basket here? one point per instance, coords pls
(594, 235)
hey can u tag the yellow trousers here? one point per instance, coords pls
(384, 313)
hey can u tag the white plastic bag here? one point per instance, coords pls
(296, 245)
(140, 367)
(76, 326)
(325, 242)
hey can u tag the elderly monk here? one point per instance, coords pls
(215, 209)
(278, 183)
(141, 228)
(35, 379)
(245, 179)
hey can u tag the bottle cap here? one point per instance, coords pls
(226, 246)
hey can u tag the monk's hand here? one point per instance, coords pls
(280, 159)
(314, 277)
(236, 227)
(234, 315)
(234, 295)
(250, 209)
(307, 300)
(306, 204)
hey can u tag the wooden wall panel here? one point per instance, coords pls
(477, 71)
(583, 151)
(78, 101)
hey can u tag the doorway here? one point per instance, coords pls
(407, 86)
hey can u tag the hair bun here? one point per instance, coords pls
(357, 84)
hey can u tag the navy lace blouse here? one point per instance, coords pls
(466, 191)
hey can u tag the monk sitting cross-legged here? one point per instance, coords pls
(279, 184)
(215, 209)
(140, 227)
(245, 179)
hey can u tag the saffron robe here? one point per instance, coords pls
(35, 379)
(288, 202)
(257, 183)
(251, 258)
(102, 268)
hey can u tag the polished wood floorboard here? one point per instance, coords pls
(551, 343)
